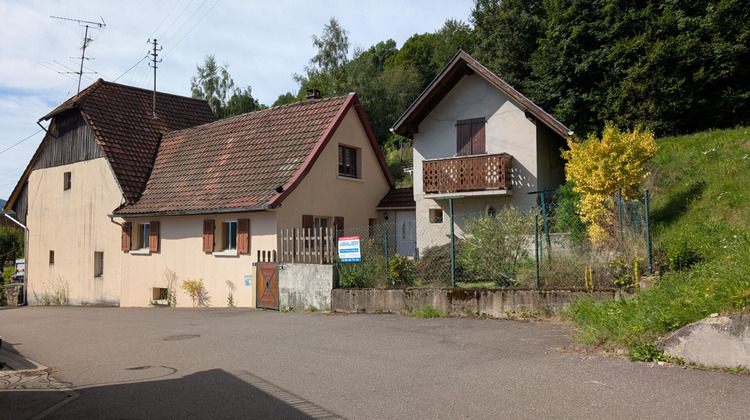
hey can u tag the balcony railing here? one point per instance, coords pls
(470, 173)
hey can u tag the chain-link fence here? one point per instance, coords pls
(544, 246)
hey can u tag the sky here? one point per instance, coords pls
(264, 43)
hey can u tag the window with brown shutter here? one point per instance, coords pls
(348, 162)
(126, 227)
(243, 236)
(208, 236)
(470, 137)
(153, 237)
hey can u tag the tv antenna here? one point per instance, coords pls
(86, 40)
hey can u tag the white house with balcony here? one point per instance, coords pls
(479, 145)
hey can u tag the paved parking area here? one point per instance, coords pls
(240, 363)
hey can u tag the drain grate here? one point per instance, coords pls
(181, 337)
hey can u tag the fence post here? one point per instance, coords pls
(453, 245)
(536, 247)
(619, 209)
(648, 234)
(386, 256)
(335, 256)
(546, 227)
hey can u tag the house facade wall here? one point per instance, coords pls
(326, 194)
(507, 130)
(181, 251)
(73, 224)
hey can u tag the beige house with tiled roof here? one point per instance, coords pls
(115, 197)
(221, 192)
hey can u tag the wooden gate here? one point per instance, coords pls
(267, 280)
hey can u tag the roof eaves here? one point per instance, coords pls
(461, 56)
(118, 212)
(290, 185)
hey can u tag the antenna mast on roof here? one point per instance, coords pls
(100, 25)
(153, 64)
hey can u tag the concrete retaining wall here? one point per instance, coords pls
(302, 286)
(497, 303)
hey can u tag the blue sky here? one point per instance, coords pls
(264, 43)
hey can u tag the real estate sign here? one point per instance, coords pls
(349, 249)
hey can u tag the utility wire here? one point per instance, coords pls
(191, 29)
(37, 132)
(131, 68)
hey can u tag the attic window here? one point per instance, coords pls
(66, 181)
(348, 162)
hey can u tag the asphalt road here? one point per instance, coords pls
(241, 363)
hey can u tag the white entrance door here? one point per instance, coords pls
(406, 233)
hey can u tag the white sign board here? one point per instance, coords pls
(349, 249)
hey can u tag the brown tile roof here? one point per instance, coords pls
(398, 198)
(121, 118)
(462, 65)
(238, 163)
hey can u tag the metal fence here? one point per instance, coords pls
(544, 246)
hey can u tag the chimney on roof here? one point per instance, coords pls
(313, 94)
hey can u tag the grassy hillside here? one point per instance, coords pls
(701, 216)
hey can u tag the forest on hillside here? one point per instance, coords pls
(673, 66)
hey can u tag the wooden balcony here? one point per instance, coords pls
(466, 174)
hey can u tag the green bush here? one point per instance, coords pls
(495, 244)
(567, 219)
(370, 272)
(400, 271)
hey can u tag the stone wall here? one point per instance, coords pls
(302, 286)
(496, 303)
(13, 294)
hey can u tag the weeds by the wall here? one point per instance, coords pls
(230, 296)
(426, 311)
(57, 293)
(170, 281)
(196, 291)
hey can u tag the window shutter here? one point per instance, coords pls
(338, 222)
(153, 237)
(243, 236)
(126, 228)
(208, 236)
(463, 138)
(477, 136)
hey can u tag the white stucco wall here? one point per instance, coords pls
(323, 193)
(507, 131)
(181, 250)
(74, 224)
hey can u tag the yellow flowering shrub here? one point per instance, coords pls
(598, 167)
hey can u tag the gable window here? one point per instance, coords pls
(51, 257)
(470, 137)
(348, 165)
(66, 181)
(98, 264)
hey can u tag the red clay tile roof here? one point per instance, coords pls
(398, 198)
(121, 118)
(238, 163)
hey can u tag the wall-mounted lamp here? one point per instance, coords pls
(385, 215)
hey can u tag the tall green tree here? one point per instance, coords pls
(507, 33)
(214, 84)
(11, 244)
(325, 69)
